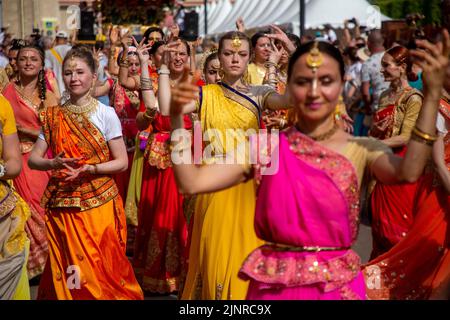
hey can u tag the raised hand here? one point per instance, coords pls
(275, 53)
(125, 40)
(174, 32)
(433, 60)
(114, 36)
(184, 92)
(240, 24)
(281, 36)
(142, 50)
(167, 49)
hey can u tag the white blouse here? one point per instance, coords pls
(106, 120)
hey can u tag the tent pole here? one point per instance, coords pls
(206, 18)
(302, 17)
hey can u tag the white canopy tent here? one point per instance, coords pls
(222, 14)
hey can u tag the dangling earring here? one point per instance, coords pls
(221, 73)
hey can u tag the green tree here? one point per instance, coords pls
(398, 9)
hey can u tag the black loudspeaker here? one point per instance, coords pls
(190, 32)
(87, 20)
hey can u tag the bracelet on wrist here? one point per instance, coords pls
(164, 72)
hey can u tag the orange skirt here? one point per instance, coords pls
(87, 258)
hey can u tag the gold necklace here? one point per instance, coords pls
(78, 112)
(324, 136)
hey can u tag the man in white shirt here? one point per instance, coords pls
(55, 56)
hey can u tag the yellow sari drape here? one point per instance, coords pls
(223, 231)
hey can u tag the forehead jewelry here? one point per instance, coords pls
(72, 63)
(236, 42)
(314, 59)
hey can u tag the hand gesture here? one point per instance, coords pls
(96, 55)
(184, 92)
(174, 31)
(281, 36)
(114, 36)
(142, 50)
(125, 40)
(433, 60)
(72, 173)
(59, 162)
(240, 24)
(167, 49)
(275, 53)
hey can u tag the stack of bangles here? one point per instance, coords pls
(149, 114)
(146, 84)
(269, 64)
(422, 137)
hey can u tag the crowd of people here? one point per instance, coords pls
(96, 203)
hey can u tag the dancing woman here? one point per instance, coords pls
(308, 252)
(85, 219)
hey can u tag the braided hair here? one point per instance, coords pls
(41, 75)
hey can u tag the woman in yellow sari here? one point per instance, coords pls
(14, 244)
(85, 220)
(222, 228)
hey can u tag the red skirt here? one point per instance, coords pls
(419, 265)
(161, 235)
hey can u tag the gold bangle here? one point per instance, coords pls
(424, 135)
(95, 168)
(417, 138)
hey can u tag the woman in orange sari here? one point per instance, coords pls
(28, 95)
(85, 219)
(399, 107)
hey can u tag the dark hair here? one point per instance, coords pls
(208, 59)
(155, 47)
(41, 74)
(324, 48)
(99, 45)
(256, 37)
(401, 55)
(151, 30)
(129, 53)
(82, 52)
(294, 39)
(232, 35)
(16, 44)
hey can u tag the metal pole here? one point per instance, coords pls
(206, 18)
(302, 17)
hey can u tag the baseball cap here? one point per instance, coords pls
(61, 34)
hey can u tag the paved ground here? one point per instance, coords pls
(363, 247)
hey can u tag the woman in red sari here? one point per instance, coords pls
(162, 229)
(418, 267)
(399, 107)
(28, 95)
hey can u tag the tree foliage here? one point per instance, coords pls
(398, 9)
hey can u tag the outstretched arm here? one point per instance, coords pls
(191, 178)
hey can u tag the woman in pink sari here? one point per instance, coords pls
(27, 96)
(309, 229)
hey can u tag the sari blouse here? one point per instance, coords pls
(78, 137)
(397, 118)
